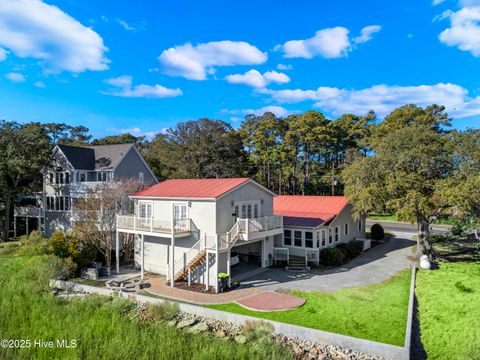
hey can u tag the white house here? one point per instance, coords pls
(193, 229)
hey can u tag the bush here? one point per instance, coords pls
(67, 246)
(351, 249)
(34, 244)
(332, 256)
(151, 313)
(376, 232)
(457, 230)
(257, 330)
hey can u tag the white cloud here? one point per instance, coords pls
(383, 98)
(123, 86)
(125, 25)
(194, 62)
(34, 29)
(464, 30)
(284, 67)
(134, 130)
(277, 110)
(15, 77)
(366, 34)
(329, 43)
(3, 54)
(257, 80)
(437, 2)
(39, 84)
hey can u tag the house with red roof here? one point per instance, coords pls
(194, 230)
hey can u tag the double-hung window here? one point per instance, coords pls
(346, 229)
(336, 233)
(287, 237)
(330, 235)
(297, 235)
(308, 239)
(324, 238)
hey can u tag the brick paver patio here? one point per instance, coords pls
(271, 301)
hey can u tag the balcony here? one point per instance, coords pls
(155, 227)
(28, 211)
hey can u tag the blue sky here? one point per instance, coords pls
(143, 66)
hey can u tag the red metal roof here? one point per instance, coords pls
(192, 188)
(309, 211)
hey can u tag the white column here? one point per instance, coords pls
(172, 253)
(216, 264)
(207, 256)
(142, 248)
(262, 260)
(228, 268)
(26, 225)
(117, 252)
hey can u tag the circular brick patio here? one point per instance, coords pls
(270, 301)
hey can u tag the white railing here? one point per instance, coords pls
(187, 257)
(312, 255)
(260, 224)
(136, 223)
(29, 210)
(280, 254)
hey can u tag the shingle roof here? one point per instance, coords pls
(192, 188)
(308, 211)
(99, 157)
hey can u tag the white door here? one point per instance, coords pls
(146, 212)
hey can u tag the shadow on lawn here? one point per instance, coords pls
(417, 351)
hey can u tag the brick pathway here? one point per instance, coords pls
(158, 287)
(271, 301)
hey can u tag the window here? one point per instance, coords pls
(330, 236)
(57, 178)
(67, 203)
(180, 211)
(61, 178)
(57, 203)
(145, 210)
(102, 176)
(237, 211)
(247, 209)
(52, 178)
(255, 210)
(308, 239)
(346, 229)
(67, 178)
(336, 233)
(83, 177)
(359, 225)
(61, 203)
(324, 238)
(141, 177)
(287, 237)
(297, 238)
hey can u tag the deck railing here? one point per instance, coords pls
(135, 223)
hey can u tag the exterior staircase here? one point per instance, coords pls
(297, 263)
(198, 260)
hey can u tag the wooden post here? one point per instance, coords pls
(142, 245)
(117, 251)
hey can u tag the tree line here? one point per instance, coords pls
(411, 163)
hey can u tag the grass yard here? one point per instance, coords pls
(105, 328)
(449, 311)
(376, 312)
(382, 217)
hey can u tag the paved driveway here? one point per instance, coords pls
(374, 266)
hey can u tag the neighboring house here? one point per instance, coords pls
(74, 171)
(311, 223)
(193, 229)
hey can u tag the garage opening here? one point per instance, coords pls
(245, 260)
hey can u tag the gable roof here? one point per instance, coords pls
(99, 157)
(308, 211)
(192, 188)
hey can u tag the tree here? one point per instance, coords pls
(25, 151)
(98, 210)
(403, 175)
(119, 139)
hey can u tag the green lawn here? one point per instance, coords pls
(449, 311)
(382, 217)
(376, 312)
(103, 327)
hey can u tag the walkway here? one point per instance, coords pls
(373, 267)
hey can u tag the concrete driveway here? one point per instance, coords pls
(372, 267)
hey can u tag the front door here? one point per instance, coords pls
(146, 212)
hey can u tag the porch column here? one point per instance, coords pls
(142, 273)
(228, 269)
(207, 256)
(172, 253)
(39, 219)
(216, 265)
(117, 252)
(26, 225)
(14, 227)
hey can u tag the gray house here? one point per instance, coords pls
(74, 171)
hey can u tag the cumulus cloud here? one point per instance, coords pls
(34, 29)
(464, 30)
(383, 98)
(284, 67)
(328, 43)
(255, 79)
(277, 110)
(437, 2)
(15, 77)
(366, 34)
(195, 61)
(3, 54)
(123, 86)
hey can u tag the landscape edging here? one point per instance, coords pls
(318, 336)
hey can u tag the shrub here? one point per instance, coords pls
(457, 230)
(439, 238)
(351, 249)
(377, 232)
(33, 244)
(257, 330)
(67, 246)
(332, 256)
